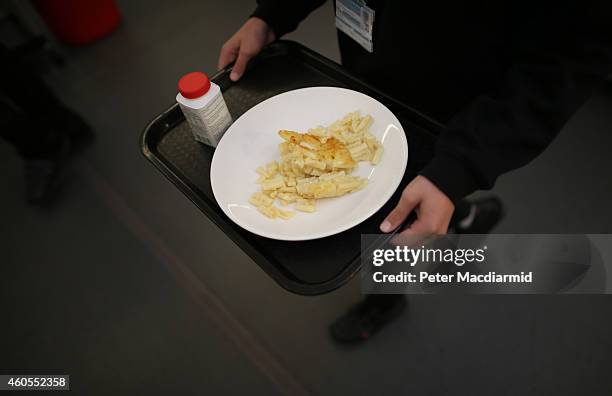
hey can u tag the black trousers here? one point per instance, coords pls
(29, 110)
(387, 82)
(382, 301)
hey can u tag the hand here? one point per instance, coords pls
(433, 208)
(244, 45)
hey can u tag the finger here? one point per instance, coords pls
(240, 65)
(420, 228)
(228, 54)
(416, 234)
(405, 238)
(270, 37)
(406, 204)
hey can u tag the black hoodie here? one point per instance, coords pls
(504, 76)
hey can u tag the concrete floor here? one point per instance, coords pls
(128, 288)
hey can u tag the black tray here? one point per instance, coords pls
(309, 267)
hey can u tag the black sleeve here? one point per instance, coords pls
(284, 16)
(553, 70)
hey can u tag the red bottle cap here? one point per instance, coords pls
(194, 85)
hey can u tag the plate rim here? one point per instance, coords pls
(318, 235)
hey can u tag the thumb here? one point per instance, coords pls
(418, 228)
(407, 203)
(240, 65)
(416, 234)
(228, 53)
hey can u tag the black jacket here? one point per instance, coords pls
(504, 76)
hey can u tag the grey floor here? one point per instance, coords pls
(128, 288)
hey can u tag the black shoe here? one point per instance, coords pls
(366, 318)
(43, 175)
(42, 181)
(44, 172)
(485, 214)
(75, 127)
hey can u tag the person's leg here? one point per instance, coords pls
(477, 216)
(41, 147)
(26, 96)
(29, 108)
(35, 122)
(366, 318)
(31, 138)
(462, 211)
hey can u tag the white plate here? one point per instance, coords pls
(252, 140)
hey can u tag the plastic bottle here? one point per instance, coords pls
(204, 108)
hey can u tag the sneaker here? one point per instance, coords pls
(73, 125)
(42, 181)
(43, 175)
(366, 318)
(485, 214)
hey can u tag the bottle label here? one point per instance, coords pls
(209, 123)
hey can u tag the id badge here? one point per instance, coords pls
(355, 19)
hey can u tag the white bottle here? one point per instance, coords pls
(204, 108)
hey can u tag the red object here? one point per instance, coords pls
(77, 21)
(193, 85)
